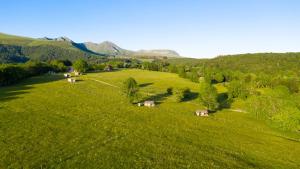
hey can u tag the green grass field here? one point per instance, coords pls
(45, 122)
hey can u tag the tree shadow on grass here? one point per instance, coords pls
(224, 101)
(78, 80)
(15, 91)
(145, 84)
(102, 71)
(191, 96)
(158, 98)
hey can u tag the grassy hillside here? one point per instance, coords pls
(107, 48)
(14, 40)
(90, 124)
(17, 49)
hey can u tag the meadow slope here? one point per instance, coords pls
(46, 122)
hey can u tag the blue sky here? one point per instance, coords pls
(194, 28)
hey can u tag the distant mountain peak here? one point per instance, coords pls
(105, 47)
(62, 38)
(45, 38)
(108, 42)
(110, 48)
(159, 52)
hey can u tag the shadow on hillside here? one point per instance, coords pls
(145, 84)
(15, 91)
(83, 47)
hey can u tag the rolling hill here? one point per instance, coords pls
(269, 63)
(19, 49)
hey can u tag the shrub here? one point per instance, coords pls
(182, 94)
(218, 77)
(170, 90)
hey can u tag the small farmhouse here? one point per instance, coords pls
(108, 68)
(149, 103)
(67, 75)
(51, 72)
(201, 113)
(71, 80)
(77, 73)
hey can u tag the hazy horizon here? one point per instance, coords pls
(201, 29)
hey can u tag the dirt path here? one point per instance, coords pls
(111, 85)
(105, 83)
(238, 110)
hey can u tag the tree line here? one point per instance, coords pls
(13, 73)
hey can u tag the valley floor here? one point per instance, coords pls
(45, 122)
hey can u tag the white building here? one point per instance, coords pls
(149, 103)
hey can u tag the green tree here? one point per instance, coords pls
(58, 66)
(209, 96)
(292, 84)
(208, 76)
(131, 88)
(182, 94)
(193, 76)
(80, 65)
(237, 89)
(218, 77)
(173, 69)
(181, 72)
(146, 65)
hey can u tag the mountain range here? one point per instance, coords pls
(111, 49)
(19, 49)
